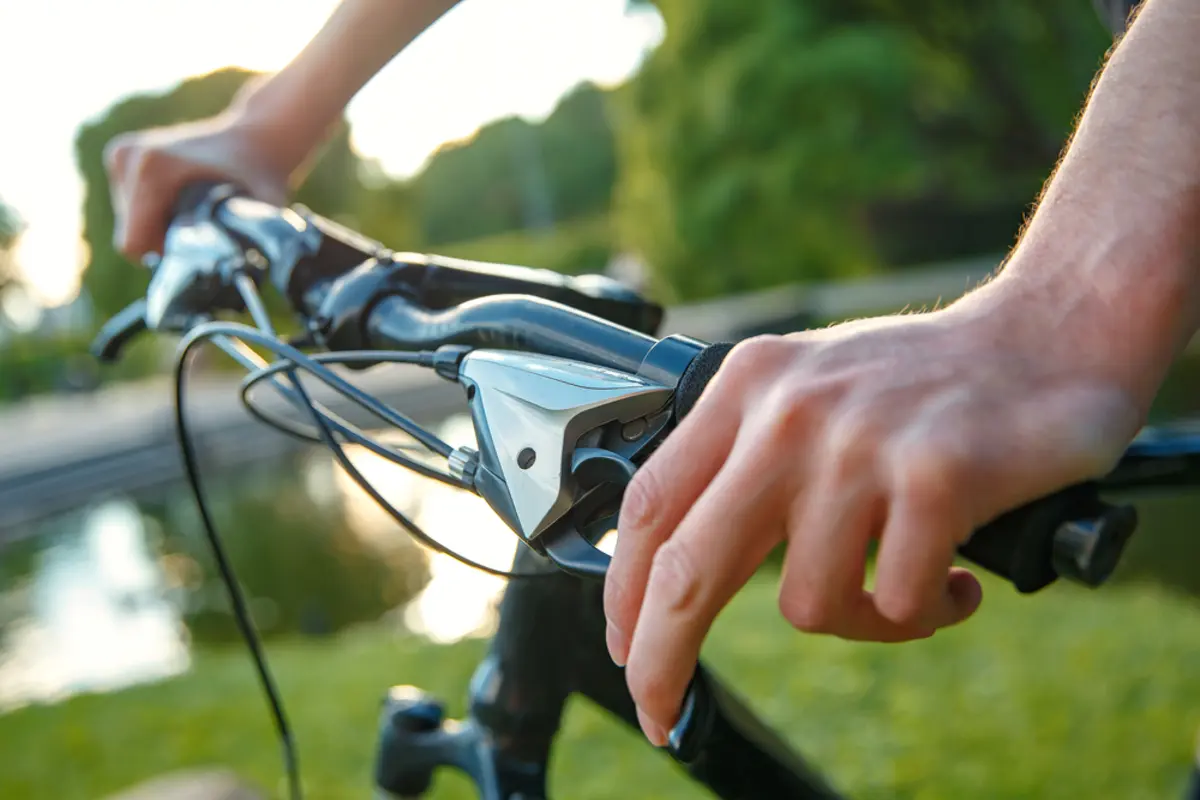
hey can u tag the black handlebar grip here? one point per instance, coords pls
(1019, 545)
(193, 196)
(1070, 534)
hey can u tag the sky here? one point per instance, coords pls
(65, 61)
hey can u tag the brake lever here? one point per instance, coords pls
(170, 281)
(119, 331)
(603, 476)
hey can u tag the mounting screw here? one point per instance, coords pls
(634, 429)
(256, 259)
(526, 457)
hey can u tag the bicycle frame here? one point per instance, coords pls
(548, 646)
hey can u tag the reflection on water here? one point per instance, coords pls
(94, 617)
(459, 601)
(108, 599)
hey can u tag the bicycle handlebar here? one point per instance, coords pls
(590, 385)
(353, 293)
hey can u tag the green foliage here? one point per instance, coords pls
(111, 280)
(1070, 694)
(514, 174)
(386, 211)
(32, 365)
(778, 141)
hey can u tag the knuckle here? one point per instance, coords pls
(850, 441)
(792, 410)
(811, 612)
(926, 474)
(647, 685)
(614, 596)
(641, 502)
(117, 152)
(146, 161)
(676, 580)
(901, 606)
(751, 355)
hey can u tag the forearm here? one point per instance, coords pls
(1113, 249)
(293, 110)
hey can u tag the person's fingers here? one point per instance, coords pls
(655, 501)
(675, 475)
(710, 556)
(150, 180)
(117, 155)
(914, 583)
(821, 589)
(829, 525)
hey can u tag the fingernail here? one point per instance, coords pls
(966, 593)
(618, 645)
(654, 733)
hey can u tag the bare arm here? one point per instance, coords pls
(264, 139)
(294, 109)
(1114, 246)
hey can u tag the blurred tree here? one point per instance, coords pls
(514, 174)
(10, 229)
(332, 187)
(779, 141)
(386, 210)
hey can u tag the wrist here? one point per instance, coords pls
(1118, 314)
(279, 128)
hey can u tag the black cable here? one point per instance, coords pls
(292, 359)
(336, 382)
(258, 369)
(350, 432)
(306, 363)
(299, 360)
(241, 614)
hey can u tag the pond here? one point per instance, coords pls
(121, 592)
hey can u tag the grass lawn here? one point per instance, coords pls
(1068, 694)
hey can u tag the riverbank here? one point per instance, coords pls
(1067, 694)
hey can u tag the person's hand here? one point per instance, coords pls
(148, 169)
(913, 429)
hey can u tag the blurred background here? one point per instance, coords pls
(758, 166)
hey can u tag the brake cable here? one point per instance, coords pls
(232, 338)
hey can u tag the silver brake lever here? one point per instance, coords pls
(193, 277)
(532, 413)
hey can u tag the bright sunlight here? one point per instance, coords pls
(484, 60)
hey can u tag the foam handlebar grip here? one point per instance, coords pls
(699, 372)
